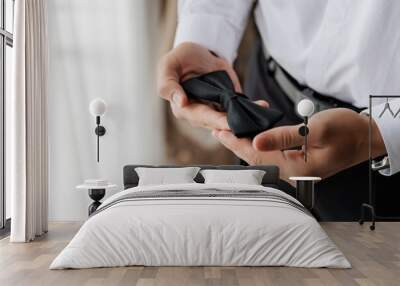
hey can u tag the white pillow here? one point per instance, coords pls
(163, 176)
(248, 177)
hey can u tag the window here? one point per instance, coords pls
(6, 44)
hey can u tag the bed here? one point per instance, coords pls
(201, 224)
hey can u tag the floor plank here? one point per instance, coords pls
(375, 257)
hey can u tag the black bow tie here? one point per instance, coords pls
(245, 118)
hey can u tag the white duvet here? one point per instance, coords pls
(199, 231)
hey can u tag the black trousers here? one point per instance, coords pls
(339, 197)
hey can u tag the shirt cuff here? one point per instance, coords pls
(211, 31)
(388, 126)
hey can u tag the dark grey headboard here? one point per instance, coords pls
(271, 177)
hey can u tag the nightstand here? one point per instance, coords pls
(96, 193)
(305, 190)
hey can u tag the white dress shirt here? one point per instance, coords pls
(347, 49)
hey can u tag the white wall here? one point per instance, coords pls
(101, 49)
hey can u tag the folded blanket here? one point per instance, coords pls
(245, 118)
(205, 193)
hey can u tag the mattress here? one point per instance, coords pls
(201, 225)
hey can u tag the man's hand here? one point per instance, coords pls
(185, 61)
(338, 139)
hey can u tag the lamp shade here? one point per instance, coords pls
(97, 107)
(305, 108)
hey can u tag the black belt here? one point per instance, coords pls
(296, 91)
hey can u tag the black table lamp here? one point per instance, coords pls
(97, 108)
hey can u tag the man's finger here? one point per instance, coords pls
(279, 138)
(172, 91)
(201, 115)
(236, 83)
(168, 86)
(262, 103)
(232, 74)
(241, 147)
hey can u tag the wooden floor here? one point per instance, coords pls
(375, 257)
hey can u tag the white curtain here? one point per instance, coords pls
(27, 123)
(105, 49)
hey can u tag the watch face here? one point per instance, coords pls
(380, 165)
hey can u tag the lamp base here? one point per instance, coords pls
(305, 193)
(96, 195)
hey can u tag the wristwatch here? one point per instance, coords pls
(381, 164)
(377, 165)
